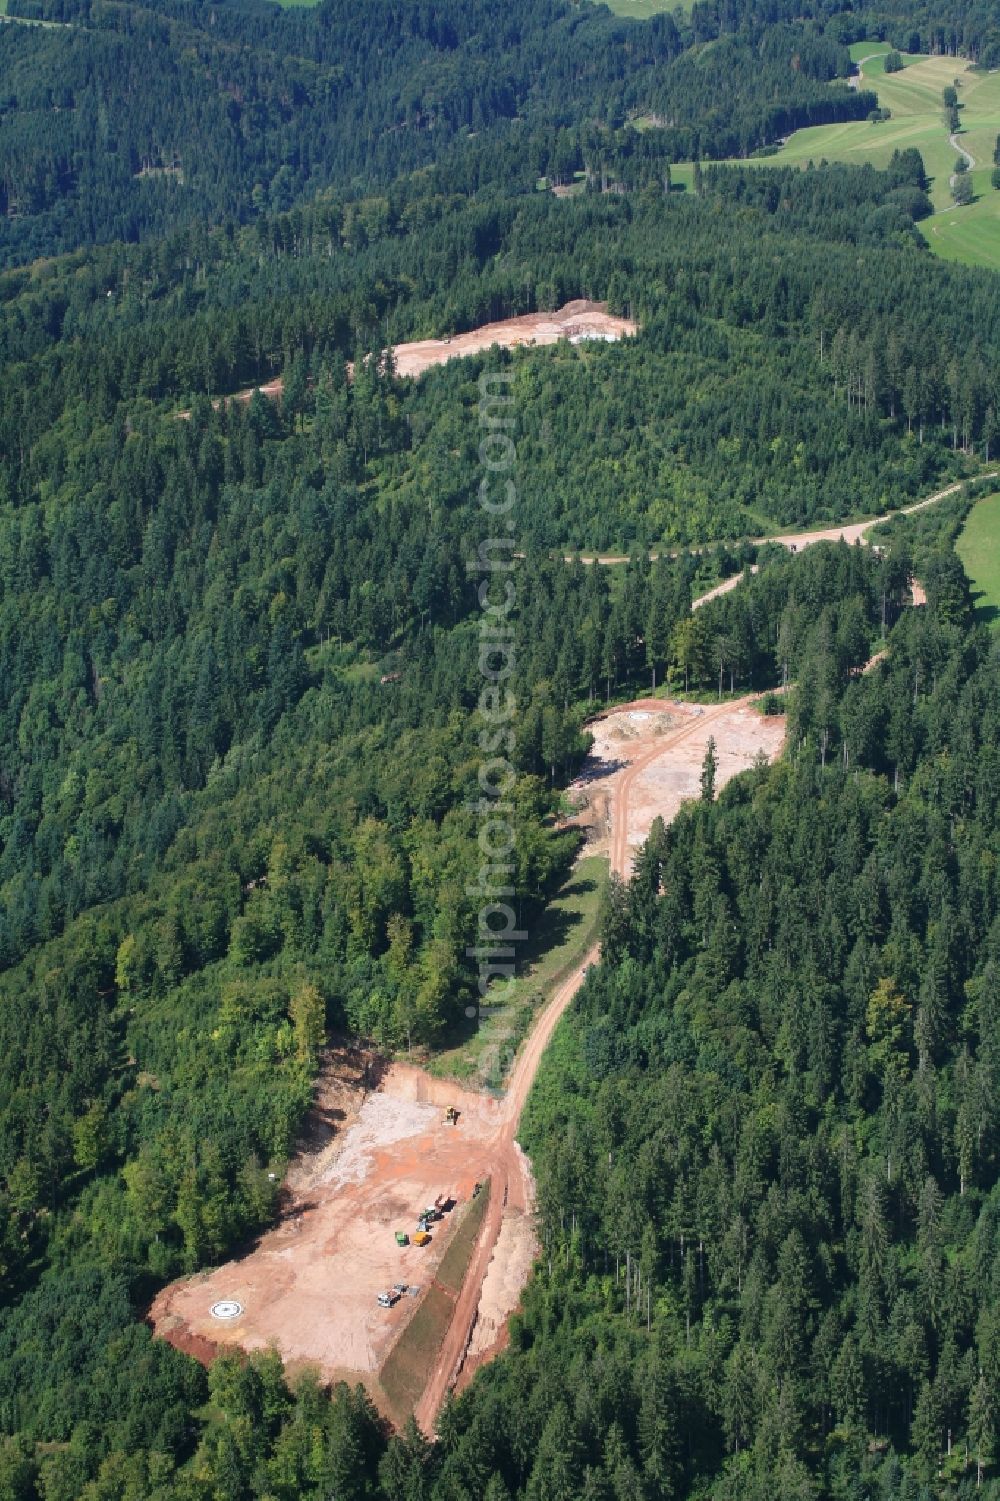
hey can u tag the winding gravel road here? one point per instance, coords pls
(511, 1177)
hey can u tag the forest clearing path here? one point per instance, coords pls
(849, 531)
(956, 145)
(654, 731)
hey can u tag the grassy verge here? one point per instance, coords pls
(412, 1357)
(482, 1051)
(451, 1272)
(978, 546)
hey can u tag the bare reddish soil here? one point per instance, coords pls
(378, 1150)
(577, 321)
(647, 760)
(310, 1285)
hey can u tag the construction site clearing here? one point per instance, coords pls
(646, 760)
(577, 322)
(364, 1220)
(356, 1279)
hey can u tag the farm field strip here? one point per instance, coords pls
(970, 234)
(978, 546)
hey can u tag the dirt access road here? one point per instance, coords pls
(855, 531)
(646, 761)
(850, 532)
(663, 755)
(379, 1150)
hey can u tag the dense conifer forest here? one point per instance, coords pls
(252, 108)
(238, 733)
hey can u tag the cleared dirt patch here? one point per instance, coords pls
(646, 761)
(577, 321)
(310, 1286)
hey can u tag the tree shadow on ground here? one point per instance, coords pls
(986, 614)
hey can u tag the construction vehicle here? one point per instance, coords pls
(401, 1287)
(386, 1300)
(421, 1238)
(431, 1214)
(402, 1239)
(451, 1115)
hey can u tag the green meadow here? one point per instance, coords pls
(641, 10)
(917, 119)
(914, 99)
(978, 547)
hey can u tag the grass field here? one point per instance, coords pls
(411, 1359)
(970, 235)
(913, 97)
(978, 547)
(482, 1053)
(874, 55)
(641, 10)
